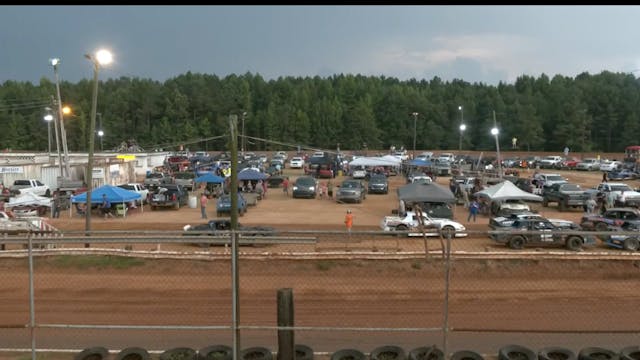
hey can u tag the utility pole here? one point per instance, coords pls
(55, 126)
(235, 279)
(63, 134)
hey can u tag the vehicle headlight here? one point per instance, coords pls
(312, 188)
(295, 188)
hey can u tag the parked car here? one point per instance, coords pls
(565, 195)
(305, 187)
(568, 164)
(410, 222)
(624, 174)
(541, 232)
(589, 164)
(157, 179)
(550, 162)
(220, 227)
(629, 242)
(508, 207)
(351, 190)
(296, 162)
(223, 205)
(168, 195)
(549, 179)
(608, 165)
(378, 184)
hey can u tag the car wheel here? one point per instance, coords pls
(448, 231)
(516, 242)
(601, 226)
(631, 244)
(574, 243)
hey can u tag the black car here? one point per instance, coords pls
(305, 186)
(378, 184)
(541, 232)
(219, 228)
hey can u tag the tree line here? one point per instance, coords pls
(353, 112)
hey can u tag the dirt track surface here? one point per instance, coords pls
(504, 296)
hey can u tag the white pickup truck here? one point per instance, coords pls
(137, 188)
(11, 225)
(409, 222)
(30, 185)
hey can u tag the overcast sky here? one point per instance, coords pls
(485, 44)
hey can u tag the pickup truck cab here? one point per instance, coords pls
(30, 185)
(566, 195)
(137, 188)
(623, 193)
(157, 179)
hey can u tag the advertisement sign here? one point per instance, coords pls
(11, 170)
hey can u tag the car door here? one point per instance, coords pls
(543, 230)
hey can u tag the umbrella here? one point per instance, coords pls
(210, 178)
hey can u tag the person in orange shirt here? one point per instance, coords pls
(348, 221)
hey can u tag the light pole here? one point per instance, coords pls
(495, 131)
(244, 115)
(463, 127)
(102, 57)
(48, 118)
(100, 132)
(415, 121)
(63, 135)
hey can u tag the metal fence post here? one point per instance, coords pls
(445, 327)
(32, 320)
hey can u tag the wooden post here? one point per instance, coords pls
(286, 339)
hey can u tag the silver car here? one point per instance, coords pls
(351, 190)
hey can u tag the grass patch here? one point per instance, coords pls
(97, 261)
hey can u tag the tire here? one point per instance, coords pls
(182, 353)
(448, 231)
(388, 352)
(303, 352)
(556, 353)
(133, 353)
(516, 352)
(601, 226)
(517, 242)
(574, 243)
(630, 353)
(216, 352)
(466, 355)
(92, 353)
(348, 354)
(426, 353)
(256, 353)
(402, 227)
(597, 353)
(631, 244)
(47, 193)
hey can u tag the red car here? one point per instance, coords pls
(569, 163)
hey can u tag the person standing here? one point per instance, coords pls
(55, 206)
(203, 205)
(473, 210)
(348, 221)
(106, 207)
(285, 186)
(330, 189)
(591, 205)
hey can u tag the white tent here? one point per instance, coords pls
(375, 161)
(506, 190)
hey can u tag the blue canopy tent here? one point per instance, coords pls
(251, 174)
(114, 195)
(210, 178)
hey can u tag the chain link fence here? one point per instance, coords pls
(361, 290)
